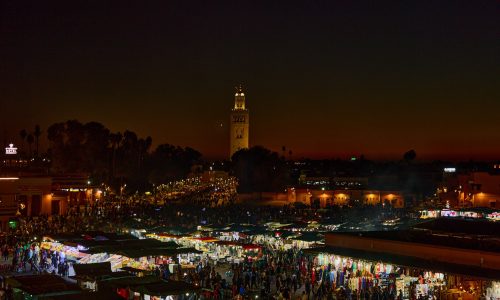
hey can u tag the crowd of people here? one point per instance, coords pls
(278, 275)
(29, 257)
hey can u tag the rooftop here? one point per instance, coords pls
(43, 285)
(464, 234)
(150, 285)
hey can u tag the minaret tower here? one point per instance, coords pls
(239, 123)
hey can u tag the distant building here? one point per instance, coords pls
(325, 198)
(44, 195)
(473, 189)
(239, 124)
(8, 200)
(314, 181)
(479, 189)
(342, 197)
(11, 157)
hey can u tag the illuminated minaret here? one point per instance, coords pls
(239, 123)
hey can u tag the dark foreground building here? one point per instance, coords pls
(442, 258)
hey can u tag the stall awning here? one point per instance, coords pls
(205, 239)
(165, 288)
(310, 237)
(251, 247)
(168, 252)
(92, 270)
(43, 285)
(150, 285)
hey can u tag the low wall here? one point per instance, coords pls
(265, 198)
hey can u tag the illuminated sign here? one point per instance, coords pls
(495, 216)
(12, 224)
(450, 170)
(11, 149)
(448, 213)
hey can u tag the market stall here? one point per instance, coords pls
(150, 287)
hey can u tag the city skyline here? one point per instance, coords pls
(325, 80)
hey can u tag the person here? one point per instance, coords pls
(66, 269)
(294, 283)
(5, 252)
(308, 287)
(62, 257)
(14, 261)
(30, 257)
(319, 292)
(253, 280)
(280, 295)
(9, 292)
(286, 293)
(48, 264)
(166, 273)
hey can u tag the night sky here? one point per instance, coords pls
(323, 78)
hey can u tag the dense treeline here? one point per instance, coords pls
(259, 169)
(115, 158)
(118, 158)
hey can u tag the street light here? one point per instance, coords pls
(121, 190)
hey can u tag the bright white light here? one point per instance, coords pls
(11, 149)
(450, 170)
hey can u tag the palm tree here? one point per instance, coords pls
(37, 135)
(23, 135)
(144, 145)
(30, 139)
(115, 139)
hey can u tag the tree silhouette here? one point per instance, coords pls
(30, 139)
(23, 134)
(115, 139)
(37, 133)
(259, 169)
(169, 162)
(409, 156)
(115, 158)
